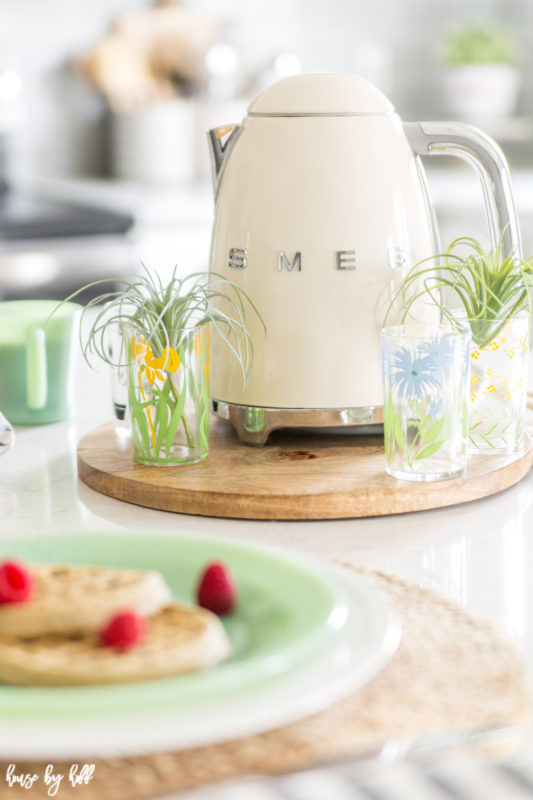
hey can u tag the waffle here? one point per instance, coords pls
(179, 639)
(78, 599)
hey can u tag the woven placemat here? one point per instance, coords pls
(452, 670)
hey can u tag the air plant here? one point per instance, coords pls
(485, 288)
(165, 314)
(163, 326)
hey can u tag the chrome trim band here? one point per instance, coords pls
(254, 424)
(219, 153)
(323, 114)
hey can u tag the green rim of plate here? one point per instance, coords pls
(287, 611)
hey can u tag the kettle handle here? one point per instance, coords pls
(487, 158)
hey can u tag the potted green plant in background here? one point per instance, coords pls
(165, 334)
(487, 292)
(481, 78)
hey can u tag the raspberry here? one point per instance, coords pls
(123, 630)
(16, 582)
(216, 590)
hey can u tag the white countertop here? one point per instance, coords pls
(480, 553)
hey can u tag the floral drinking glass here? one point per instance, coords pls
(425, 378)
(498, 382)
(169, 396)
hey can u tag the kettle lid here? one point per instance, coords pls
(321, 93)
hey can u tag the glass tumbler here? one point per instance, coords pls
(498, 383)
(118, 374)
(169, 396)
(426, 370)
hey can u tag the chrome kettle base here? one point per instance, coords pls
(254, 424)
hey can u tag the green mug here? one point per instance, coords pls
(37, 360)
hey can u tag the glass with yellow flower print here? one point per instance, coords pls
(498, 382)
(425, 381)
(169, 395)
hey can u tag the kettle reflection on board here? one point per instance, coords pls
(321, 208)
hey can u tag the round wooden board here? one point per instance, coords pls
(298, 475)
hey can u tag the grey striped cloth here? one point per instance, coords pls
(459, 779)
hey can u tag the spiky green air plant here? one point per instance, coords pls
(164, 314)
(162, 322)
(488, 287)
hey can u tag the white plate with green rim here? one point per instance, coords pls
(304, 636)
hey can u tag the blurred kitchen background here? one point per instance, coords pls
(104, 106)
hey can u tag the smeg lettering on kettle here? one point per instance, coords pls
(344, 260)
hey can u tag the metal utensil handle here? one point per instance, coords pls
(487, 158)
(7, 435)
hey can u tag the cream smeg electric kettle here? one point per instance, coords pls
(321, 208)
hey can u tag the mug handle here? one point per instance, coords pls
(36, 379)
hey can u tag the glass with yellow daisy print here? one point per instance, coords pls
(169, 395)
(166, 329)
(498, 385)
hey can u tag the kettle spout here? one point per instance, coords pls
(221, 141)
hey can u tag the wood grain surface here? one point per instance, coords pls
(298, 475)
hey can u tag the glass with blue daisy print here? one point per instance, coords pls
(426, 370)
